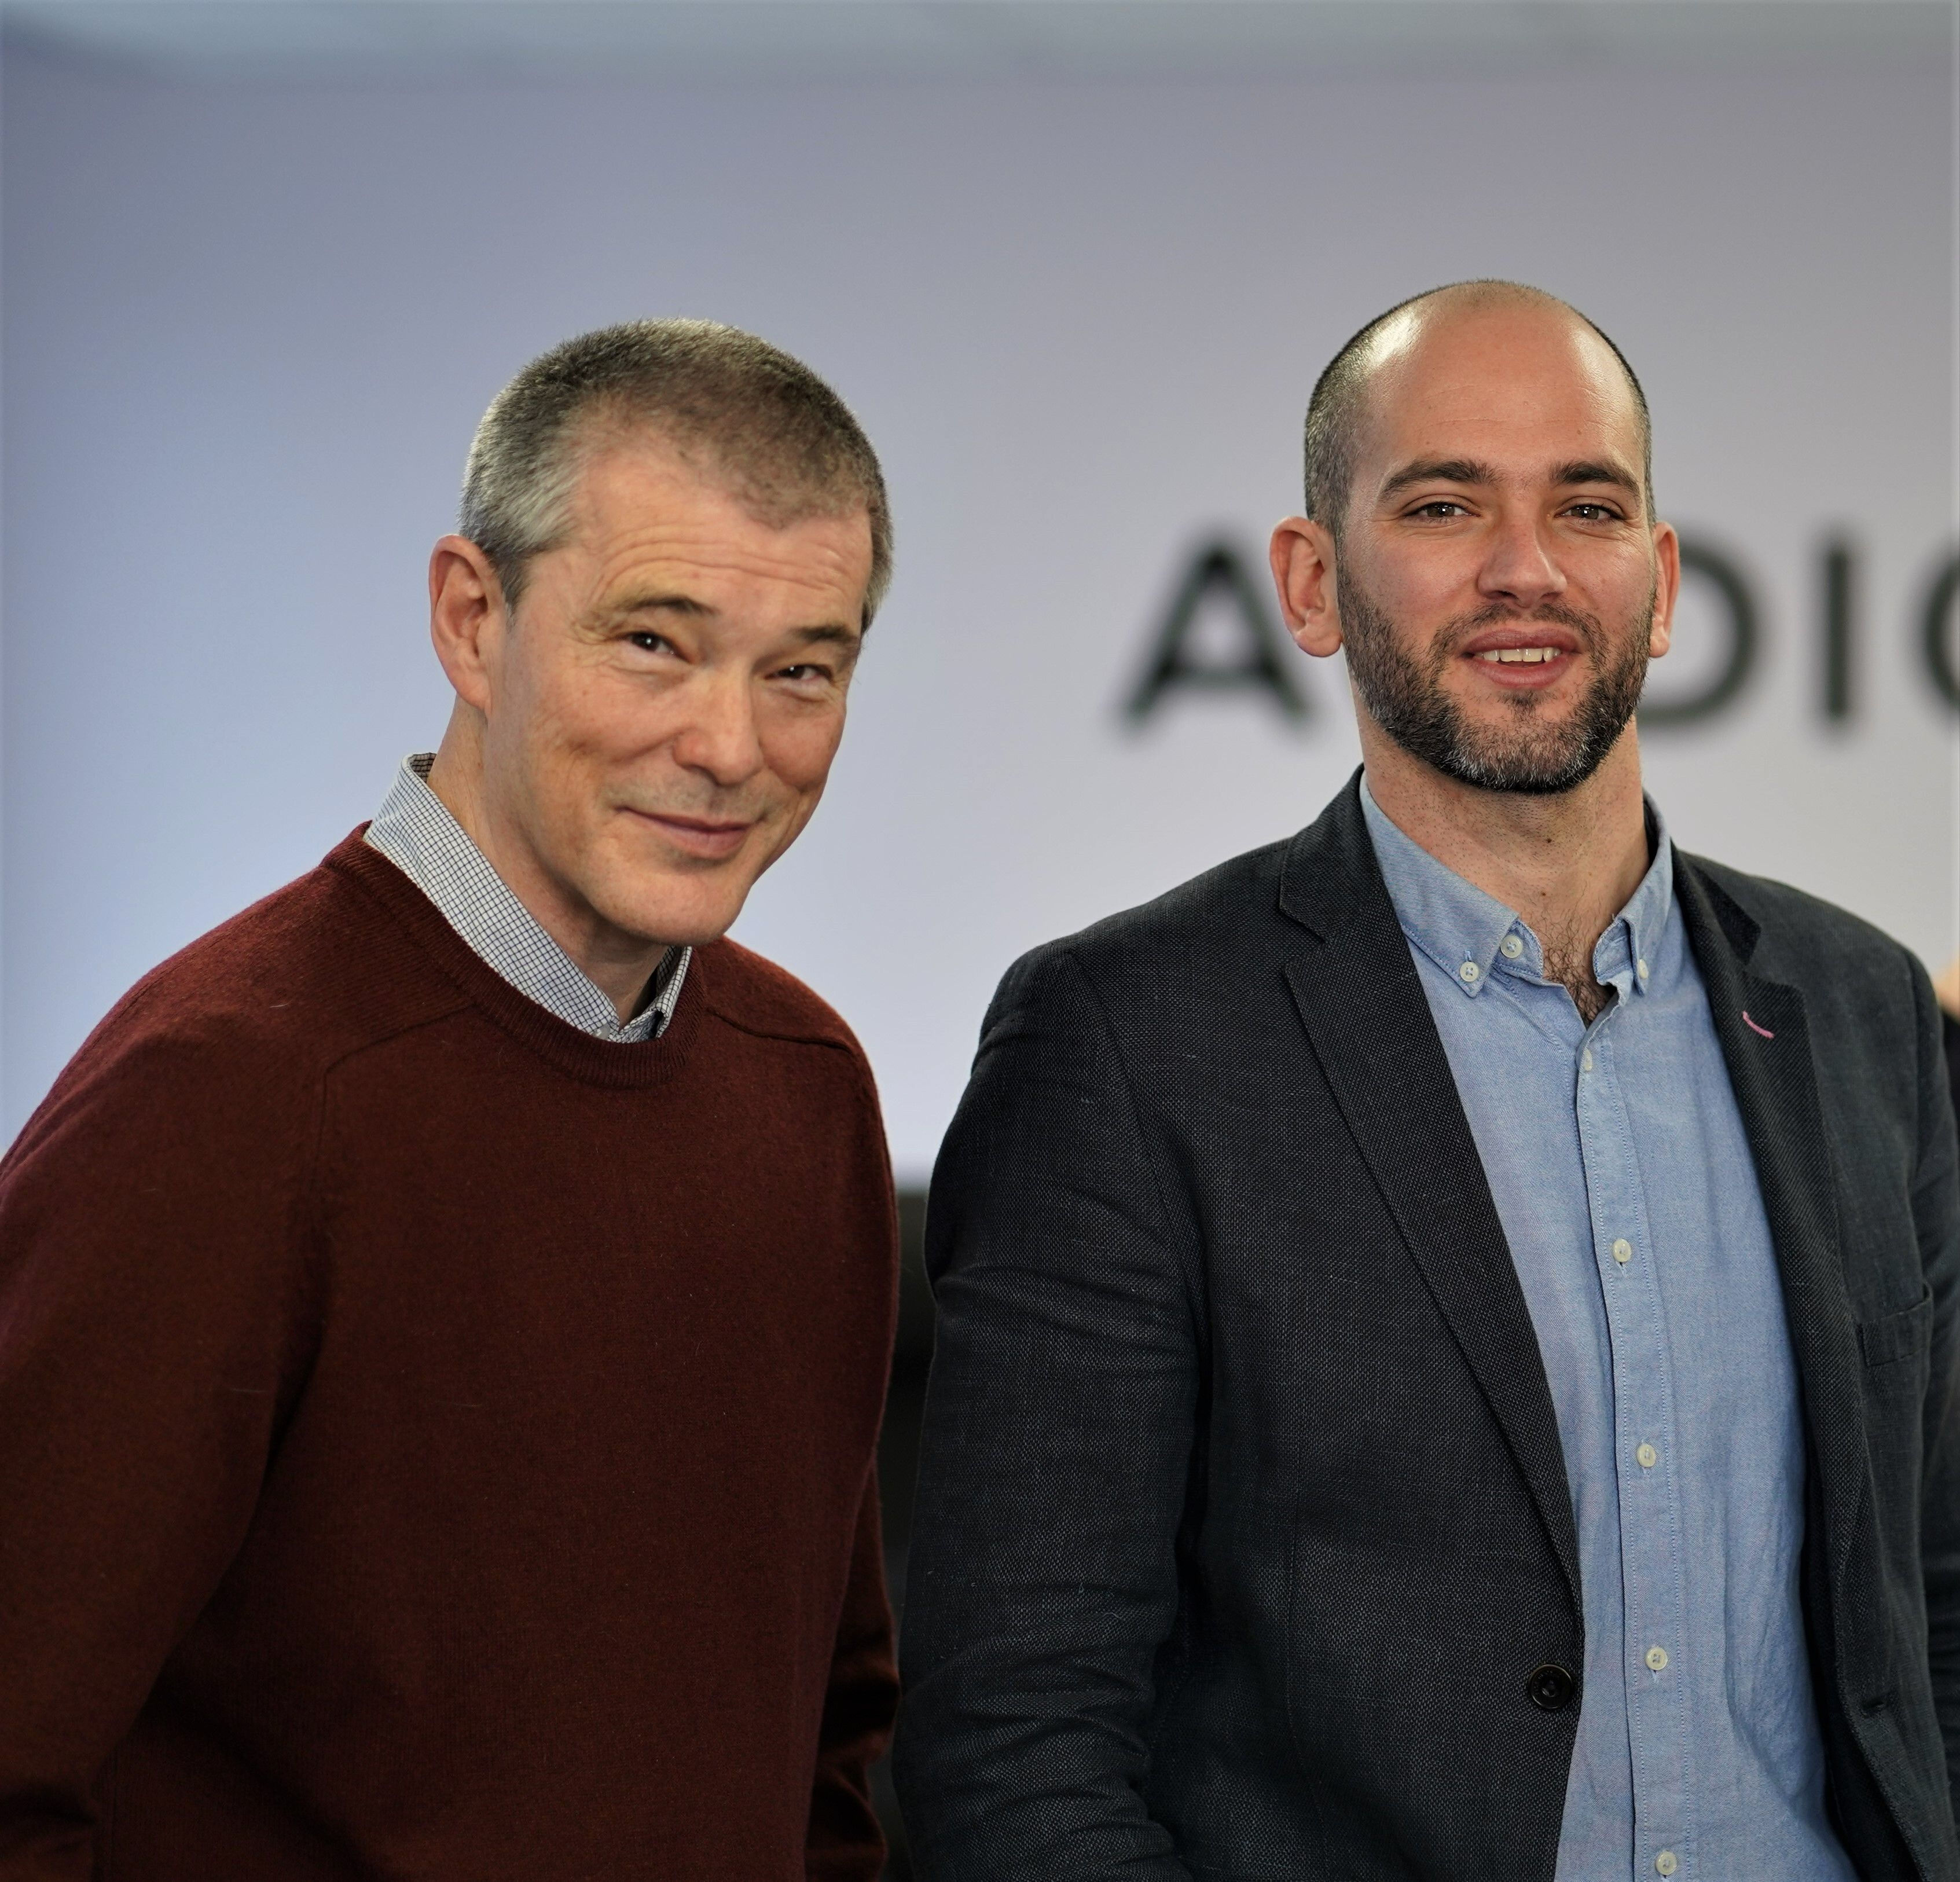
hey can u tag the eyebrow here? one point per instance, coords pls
(1588, 470)
(1471, 470)
(832, 631)
(1440, 470)
(653, 602)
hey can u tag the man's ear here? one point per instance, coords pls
(1667, 586)
(467, 618)
(1303, 555)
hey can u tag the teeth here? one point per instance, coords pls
(1521, 656)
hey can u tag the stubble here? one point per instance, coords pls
(1529, 753)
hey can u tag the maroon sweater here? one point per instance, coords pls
(435, 1443)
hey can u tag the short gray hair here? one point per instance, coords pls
(1334, 412)
(754, 420)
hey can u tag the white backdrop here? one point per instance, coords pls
(249, 328)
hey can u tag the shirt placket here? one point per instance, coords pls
(1652, 1562)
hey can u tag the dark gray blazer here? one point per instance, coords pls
(1243, 1540)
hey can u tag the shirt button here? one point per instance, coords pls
(1467, 972)
(1665, 1863)
(1640, 968)
(1585, 1060)
(1648, 1456)
(1657, 1658)
(1512, 947)
(1623, 1251)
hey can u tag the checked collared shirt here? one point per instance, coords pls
(416, 833)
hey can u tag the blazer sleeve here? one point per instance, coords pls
(846, 1843)
(1057, 1443)
(1936, 1215)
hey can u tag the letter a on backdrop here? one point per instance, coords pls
(1217, 571)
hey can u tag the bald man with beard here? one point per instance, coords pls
(1445, 1353)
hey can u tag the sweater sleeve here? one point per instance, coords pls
(846, 1843)
(147, 1309)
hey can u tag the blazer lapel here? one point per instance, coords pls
(1765, 1040)
(1370, 1025)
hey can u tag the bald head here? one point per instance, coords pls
(1454, 317)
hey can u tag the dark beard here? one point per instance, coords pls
(1407, 699)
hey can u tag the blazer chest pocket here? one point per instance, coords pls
(1894, 1337)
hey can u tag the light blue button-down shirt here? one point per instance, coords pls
(1617, 1160)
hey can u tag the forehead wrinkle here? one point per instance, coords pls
(640, 555)
(650, 533)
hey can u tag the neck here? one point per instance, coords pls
(618, 963)
(1567, 863)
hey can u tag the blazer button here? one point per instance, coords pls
(1551, 1688)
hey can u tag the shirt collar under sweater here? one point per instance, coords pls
(416, 833)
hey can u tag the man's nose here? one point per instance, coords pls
(1521, 567)
(720, 736)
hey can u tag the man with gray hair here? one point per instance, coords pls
(444, 1311)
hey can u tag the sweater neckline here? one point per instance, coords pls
(631, 1066)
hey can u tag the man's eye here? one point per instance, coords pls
(1442, 508)
(1592, 512)
(804, 671)
(650, 643)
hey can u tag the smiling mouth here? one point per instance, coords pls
(698, 835)
(1518, 666)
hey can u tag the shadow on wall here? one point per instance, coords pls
(898, 1464)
